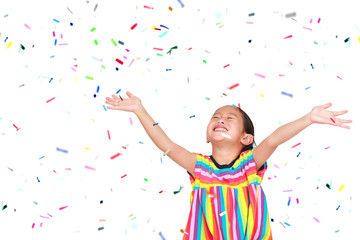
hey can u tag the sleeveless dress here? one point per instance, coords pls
(227, 201)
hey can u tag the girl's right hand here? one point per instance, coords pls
(131, 104)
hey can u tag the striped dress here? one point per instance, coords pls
(227, 201)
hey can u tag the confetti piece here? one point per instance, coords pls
(162, 237)
(289, 15)
(312, 66)
(204, 61)
(33, 225)
(289, 201)
(148, 7)
(104, 107)
(297, 200)
(93, 29)
(251, 14)
(56, 20)
(328, 186)
(38, 179)
(327, 147)
(287, 224)
(287, 94)
(4, 207)
(296, 145)
(307, 88)
(62, 150)
(192, 116)
(346, 40)
(133, 26)
(10, 169)
(63, 207)
(100, 228)
(17, 129)
(176, 192)
(182, 5)
(113, 41)
(222, 214)
(119, 61)
(332, 120)
(131, 122)
(341, 188)
(169, 52)
(161, 191)
(319, 20)
(121, 98)
(167, 151)
(287, 191)
(145, 179)
(115, 156)
(339, 77)
(234, 86)
(88, 77)
(90, 168)
(27, 26)
(259, 75)
(290, 36)
(298, 154)
(316, 219)
(160, 36)
(123, 176)
(96, 42)
(96, 5)
(155, 124)
(50, 100)
(170, 8)
(307, 28)
(9, 45)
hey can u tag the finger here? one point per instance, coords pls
(327, 105)
(115, 97)
(130, 95)
(343, 120)
(338, 113)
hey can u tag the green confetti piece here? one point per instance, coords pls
(204, 61)
(176, 192)
(93, 29)
(90, 78)
(4, 207)
(219, 23)
(103, 67)
(145, 179)
(346, 40)
(22, 47)
(113, 41)
(132, 218)
(159, 54)
(169, 52)
(328, 186)
(96, 42)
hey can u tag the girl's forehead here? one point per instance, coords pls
(228, 110)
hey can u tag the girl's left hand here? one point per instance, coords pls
(319, 114)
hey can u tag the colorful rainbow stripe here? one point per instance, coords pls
(227, 202)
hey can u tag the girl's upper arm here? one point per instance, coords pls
(183, 157)
(262, 152)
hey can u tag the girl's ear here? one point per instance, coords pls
(247, 139)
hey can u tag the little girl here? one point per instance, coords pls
(227, 201)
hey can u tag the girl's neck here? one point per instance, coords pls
(225, 155)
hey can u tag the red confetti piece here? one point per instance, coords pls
(226, 65)
(17, 129)
(190, 48)
(50, 100)
(63, 207)
(115, 156)
(160, 49)
(124, 176)
(133, 26)
(332, 120)
(239, 106)
(148, 7)
(69, 169)
(290, 36)
(234, 86)
(161, 191)
(109, 134)
(54, 171)
(10, 169)
(281, 75)
(119, 61)
(290, 63)
(296, 145)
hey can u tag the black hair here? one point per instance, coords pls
(248, 128)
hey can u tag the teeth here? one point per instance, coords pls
(220, 129)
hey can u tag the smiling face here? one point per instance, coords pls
(226, 125)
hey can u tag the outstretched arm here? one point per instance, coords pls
(177, 153)
(319, 114)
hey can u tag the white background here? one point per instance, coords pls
(217, 32)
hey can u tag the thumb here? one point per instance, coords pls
(130, 95)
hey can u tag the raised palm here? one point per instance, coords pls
(131, 104)
(320, 114)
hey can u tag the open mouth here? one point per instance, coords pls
(220, 129)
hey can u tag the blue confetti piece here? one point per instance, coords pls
(62, 150)
(182, 5)
(41, 157)
(160, 36)
(338, 208)
(312, 66)
(55, 42)
(38, 179)
(287, 224)
(50, 80)
(162, 237)
(104, 107)
(298, 154)
(155, 124)
(169, 69)
(118, 91)
(307, 88)
(6, 39)
(287, 94)
(56, 20)
(98, 88)
(192, 116)
(289, 201)
(164, 26)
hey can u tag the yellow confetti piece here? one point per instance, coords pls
(86, 148)
(9, 45)
(153, 27)
(261, 95)
(359, 39)
(341, 188)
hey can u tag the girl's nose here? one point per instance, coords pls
(220, 121)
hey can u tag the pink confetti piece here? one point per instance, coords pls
(297, 200)
(296, 145)
(131, 62)
(288, 190)
(316, 219)
(276, 166)
(123, 176)
(259, 75)
(327, 147)
(50, 100)
(290, 36)
(160, 49)
(340, 77)
(44, 216)
(108, 134)
(90, 168)
(310, 20)
(234, 86)
(10, 169)
(27, 26)
(307, 28)
(148, 7)
(319, 20)
(40, 224)
(226, 65)
(53, 33)
(33, 225)
(17, 129)
(63, 207)
(115, 156)
(131, 122)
